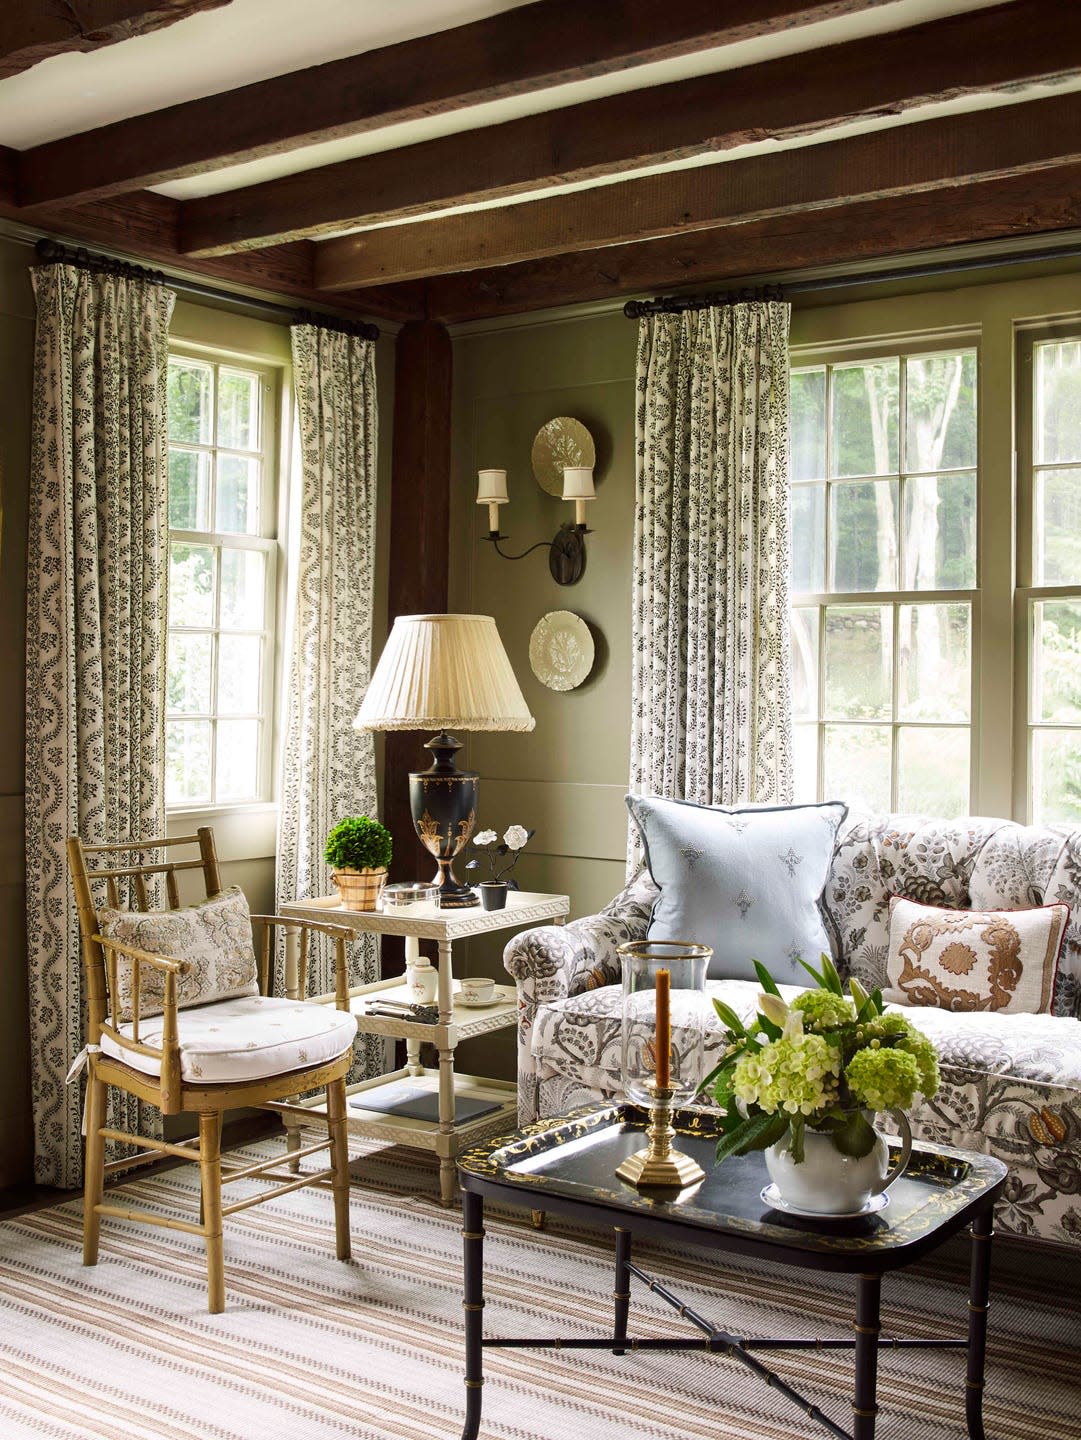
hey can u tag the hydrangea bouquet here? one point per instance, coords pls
(515, 839)
(823, 1061)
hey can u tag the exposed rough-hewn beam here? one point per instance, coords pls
(34, 30)
(996, 49)
(926, 156)
(143, 226)
(521, 51)
(419, 541)
(1037, 202)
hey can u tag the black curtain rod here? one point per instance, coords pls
(51, 252)
(674, 305)
(677, 304)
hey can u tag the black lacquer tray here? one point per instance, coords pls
(574, 1159)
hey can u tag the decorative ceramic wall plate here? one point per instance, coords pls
(562, 441)
(561, 650)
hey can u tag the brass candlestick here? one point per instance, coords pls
(658, 1164)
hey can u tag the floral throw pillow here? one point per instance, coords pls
(213, 937)
(1002, 960)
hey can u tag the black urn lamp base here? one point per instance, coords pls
(443, 801)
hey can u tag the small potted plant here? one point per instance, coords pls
(358, 850)
(804, 1080)
(493, 892)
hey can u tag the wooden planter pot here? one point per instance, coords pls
(360, 889)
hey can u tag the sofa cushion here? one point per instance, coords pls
(1001, 960)
(746, 881)
(213, 938)
(579, 1036)
(248, 1038)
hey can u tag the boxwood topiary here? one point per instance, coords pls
(357, 843)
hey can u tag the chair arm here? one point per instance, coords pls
(294, 955)
(169, 1051)
(553, 961)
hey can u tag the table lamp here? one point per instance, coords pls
(444, 672)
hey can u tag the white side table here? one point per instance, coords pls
(456, 1022)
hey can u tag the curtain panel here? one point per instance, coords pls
(711, 709)
(328, 768)
(95, 643)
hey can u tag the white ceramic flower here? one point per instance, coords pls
(515, 837)
(484, 837)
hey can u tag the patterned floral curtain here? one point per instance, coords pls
(95, 643)
(711, 713)
(328, 768)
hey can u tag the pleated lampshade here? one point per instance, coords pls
(443, 672)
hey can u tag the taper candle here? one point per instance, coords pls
(664, 1029)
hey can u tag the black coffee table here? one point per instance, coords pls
(568, 1166)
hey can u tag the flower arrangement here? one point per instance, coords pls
(515, 839)
(821, 1061)
(358, 843)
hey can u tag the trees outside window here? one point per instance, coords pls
(1051, 487)
(884, 578)
(222, 520)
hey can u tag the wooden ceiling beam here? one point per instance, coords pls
(143, 227)
(1036, 202)
(516, 53)
(992, 49)
(35, 30)
(932, 154)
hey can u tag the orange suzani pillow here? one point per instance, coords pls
(1002, 960)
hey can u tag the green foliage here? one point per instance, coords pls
(776, 1079)
(357, 843)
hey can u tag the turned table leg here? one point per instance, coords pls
(473, 1305)
(622, 1293)
(864, 1408)
(979, 1302)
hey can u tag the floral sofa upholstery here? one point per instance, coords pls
(1011, 1084)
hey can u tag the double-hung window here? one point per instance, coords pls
(1050, 571)
(223, 441)
(884, 576)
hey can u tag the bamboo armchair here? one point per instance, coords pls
(103, 868)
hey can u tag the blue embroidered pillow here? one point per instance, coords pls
(745, 880)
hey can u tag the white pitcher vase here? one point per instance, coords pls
(825, 1182)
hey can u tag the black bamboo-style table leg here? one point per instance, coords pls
(979, 1298)
(473, 1305)
(622, 1293)
(864, 1408)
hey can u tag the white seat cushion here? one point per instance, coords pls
(248, 1038)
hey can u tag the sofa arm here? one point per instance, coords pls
(551, 962)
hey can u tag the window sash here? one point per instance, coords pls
(262, 712)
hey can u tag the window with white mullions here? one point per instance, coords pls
(221, 582)
(1052, 443)
(884, 470)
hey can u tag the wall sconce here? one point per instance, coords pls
(567, 552)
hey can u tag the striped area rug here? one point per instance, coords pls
(311, 1349)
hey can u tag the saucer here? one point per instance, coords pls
(772, 1197)
(459, 999)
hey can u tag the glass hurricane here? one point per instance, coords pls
(685, 962)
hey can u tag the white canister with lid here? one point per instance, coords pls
(421, 976)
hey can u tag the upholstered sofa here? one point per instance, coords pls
(1011, 1084)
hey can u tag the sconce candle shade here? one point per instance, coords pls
(440, 672)
(492, 491)
(578, 486)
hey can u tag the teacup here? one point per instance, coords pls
(477, 990)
